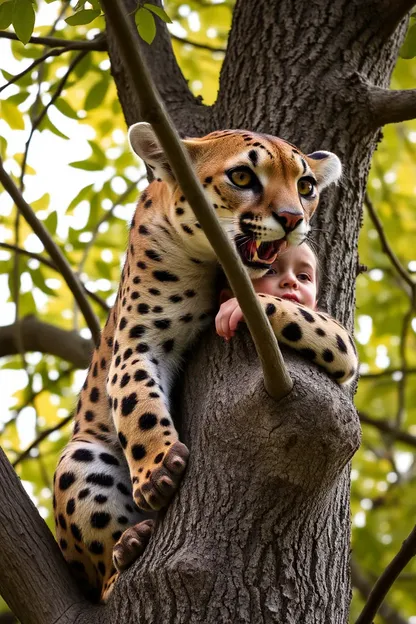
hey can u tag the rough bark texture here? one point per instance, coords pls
(260, 530)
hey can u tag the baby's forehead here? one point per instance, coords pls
(295, 256)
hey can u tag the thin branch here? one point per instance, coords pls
(388, 372)
(360, 582)
(54, 252)
(386, 580)
(276, 378)
(44, 434)
(386, 427)
(46, 338)
(195, 44)
(50, 53)
(402, 384)
(51, 265)
(385, 244)
(99, 44)
(391, 106)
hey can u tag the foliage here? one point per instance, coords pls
(81, 181)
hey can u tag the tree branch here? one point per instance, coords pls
(53, 250)
(86, 45)
(386, 427)
(359, 581)
(391, 106)
(98, 44)
(45, 338)
(195, 44)
(34, 578)
(48, 263)
(386, 580)
(392, 12)
(276, 378)
(389, 372)
(44, 434)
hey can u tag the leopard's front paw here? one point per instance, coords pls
(132, 544)
(162, 481)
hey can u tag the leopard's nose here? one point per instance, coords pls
(288, 219)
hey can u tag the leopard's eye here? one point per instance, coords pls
(306, 187)
(243, 177)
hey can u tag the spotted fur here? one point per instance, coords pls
(124, 453)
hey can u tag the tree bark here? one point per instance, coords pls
(260, 529)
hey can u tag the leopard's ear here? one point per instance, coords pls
(326, 167)
(144, 142)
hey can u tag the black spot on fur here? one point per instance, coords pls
(186, 318)
(154, 291)
(175, 298)
(76, 532)
(153, 255)
(165, 276)
(309, 354)
(100, 499)
(70, 506)
(123, 489)
(328, 356)
(108, 459)
(179, 211)
(63, 544)
(320, 331)
(162, 323)
(307, 315)
(143, 229)
(186, 228)
(138, 451)
(95, 547)
(158, 458)
(122, 439)
(137, 331)
(168, 345)
(141, 265)
(165, 422)
(189, 293)
(100, 519)
(83, 493)
(143, 308)
(94, 395)
(122, 520)
(270, 309)
(127, 353)
(98, 478)
(66, 480)
(341, 344)
(128, 404)
(121, 325)
(116, 535)
(338, 374)
(292, 332)
(140, 375)
(142, 348)
(124, 380)
(62, 521)
(147, 421)
(83, 455)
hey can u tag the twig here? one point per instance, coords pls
(388, 372)
(385, 244)
(391, 106)
(51, 265)
(195, 44)
(99, 44)
(386, 427)
(41, 437)
(54, 252)
(386, 580)
(53, 52)
(276, 378)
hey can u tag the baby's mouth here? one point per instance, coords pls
(290, 297)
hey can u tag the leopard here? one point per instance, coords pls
(125, 457)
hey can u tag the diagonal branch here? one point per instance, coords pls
(360, 582)
(196, 44)
(391, 106)
(392, 12)
(53, 250)
(386, 580)
(44, 434)
(276, 378)
(46, 338)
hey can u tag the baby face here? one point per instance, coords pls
(292, 276)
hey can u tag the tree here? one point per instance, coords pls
(261, 550)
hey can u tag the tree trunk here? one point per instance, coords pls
(260, 530)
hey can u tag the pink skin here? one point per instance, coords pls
(292, 276)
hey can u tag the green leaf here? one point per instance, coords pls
(6, 15)
(27, 304)
(96, 94)
(86, 165)
(11, 115)
(159, 12)
(65, 108)
(408, 49)
(95, 4)
(3, 147)
(51, 222)
(39, 282)
(146, 26)
(42, 203)
(48, 125)
(83, 194)
(82, 17)
(23, 19)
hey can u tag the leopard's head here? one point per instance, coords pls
(264, 189)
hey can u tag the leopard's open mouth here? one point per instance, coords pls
(259, 254)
